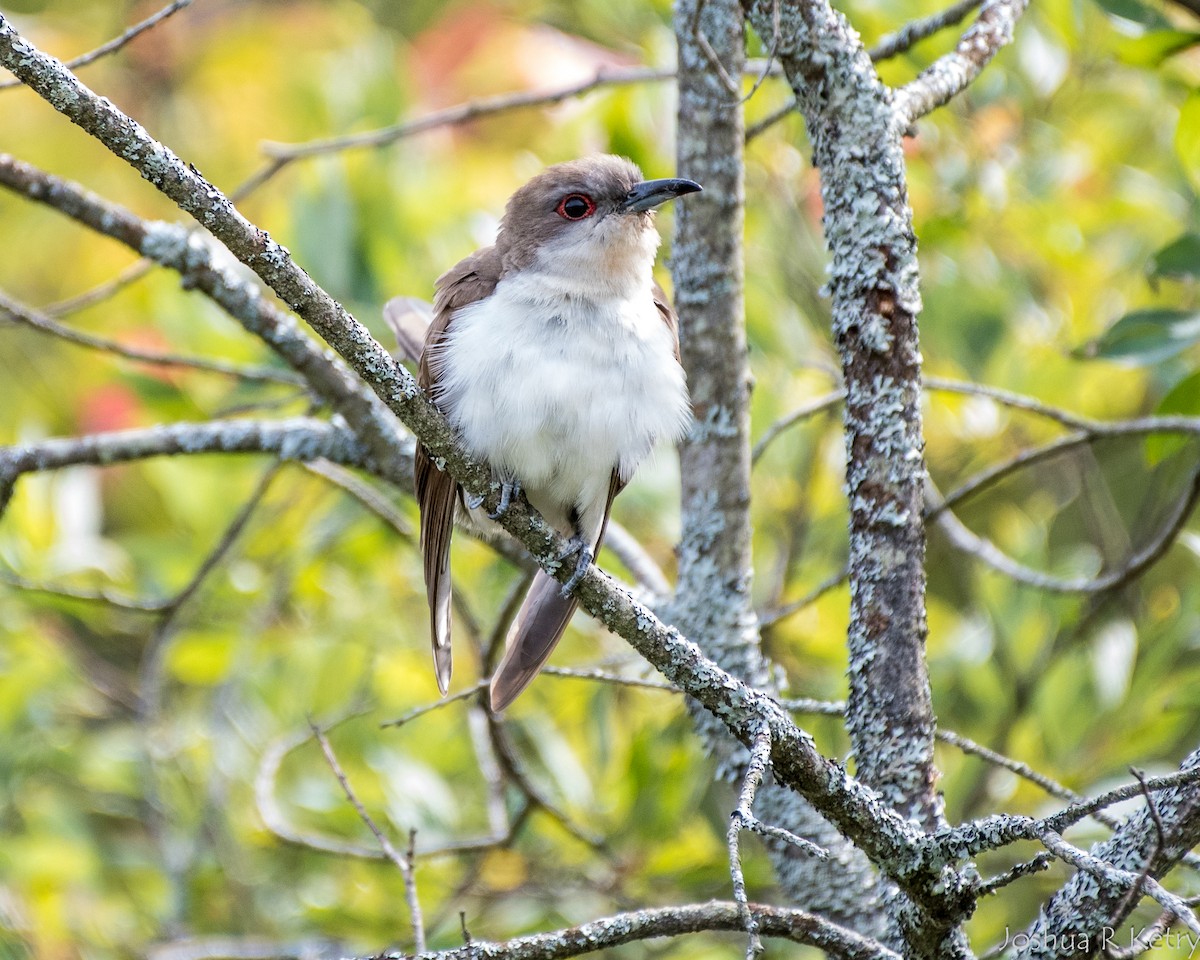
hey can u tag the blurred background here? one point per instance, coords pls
(1056, 208)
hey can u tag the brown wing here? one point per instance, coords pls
(437, 492)
(539, 625)
(667, 313)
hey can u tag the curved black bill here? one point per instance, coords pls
(650, 193)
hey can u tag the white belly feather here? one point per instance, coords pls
(558, 392)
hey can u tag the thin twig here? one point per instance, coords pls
(116, 43)
(15, 312)
(1026, 868)
(464, 113)
(151, 667)
(404, 862)
(760, 757)
(131, 604)
(420, 711)
(366, 494)
(810, 409)
(1130, 569)
(601, 676)
(104, 291)
(768, 618)
(1160, 840)
(912, 33)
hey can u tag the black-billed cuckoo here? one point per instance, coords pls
(555, 356)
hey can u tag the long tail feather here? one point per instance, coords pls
(539, 625)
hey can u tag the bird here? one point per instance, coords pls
(554, 355)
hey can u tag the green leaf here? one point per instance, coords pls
(1146, 336)
(1178, 260)
(1152, 48)
(1135, 11)
(1181, 400)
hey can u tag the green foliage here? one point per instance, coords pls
(1043, 198)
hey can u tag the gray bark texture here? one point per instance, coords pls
(1091, 907)
(713, 603)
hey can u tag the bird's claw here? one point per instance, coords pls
(508, 490)
(473, 502)
(578, 546)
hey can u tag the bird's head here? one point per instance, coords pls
(590, 219)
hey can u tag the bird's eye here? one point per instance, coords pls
(576, 206)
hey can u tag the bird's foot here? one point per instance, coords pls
(473, 502)
(579, 547)
(508, 490)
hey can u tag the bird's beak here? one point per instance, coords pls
(650, 193)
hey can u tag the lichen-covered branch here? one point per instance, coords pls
(713, 591)
(1148, 841)
(199, 268)
(712, 602)
(795, 925)
(27, 316)
(955, 71)
(298, 438)
(873, 285)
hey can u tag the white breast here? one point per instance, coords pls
(558, 391)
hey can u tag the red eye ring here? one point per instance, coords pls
(575, 206)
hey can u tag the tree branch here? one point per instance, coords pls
(955, 71)
(794, 925)
(192, 257)
(19, 313)
(299, 438)
(112, 46)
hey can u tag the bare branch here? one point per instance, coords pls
(769, 618)
(955, 71)
(602, 676)
(646, 571)
(1111, 874)
(794, 925)
(1130, 569)
(101, 595)
(403, 862)
(193, 258)
(101, 292)
(914, 32)
(464, 113)
(19, 313)
(364, 493)
(151, 672)
(112, 46)
(273, 817)
(299, 438)
(810, 409)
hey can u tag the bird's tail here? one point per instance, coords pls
(409, 319)
(539, 625)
